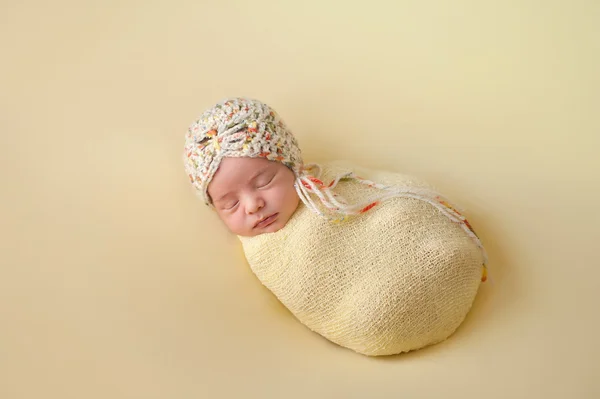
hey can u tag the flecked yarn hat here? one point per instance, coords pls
(243, 127)
(237, 127)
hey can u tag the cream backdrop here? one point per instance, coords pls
(116, 282)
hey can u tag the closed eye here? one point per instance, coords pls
(230, 206)
(265, 184)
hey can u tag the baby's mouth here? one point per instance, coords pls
(266, 221)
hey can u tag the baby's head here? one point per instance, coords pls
(244, 162)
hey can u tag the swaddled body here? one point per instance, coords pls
(380, 265)
(396, 278)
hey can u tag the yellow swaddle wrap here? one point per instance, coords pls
(397, 278)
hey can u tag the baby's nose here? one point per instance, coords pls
(254, 205)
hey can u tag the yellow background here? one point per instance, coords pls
(116, 282)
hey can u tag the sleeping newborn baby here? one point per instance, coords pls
(373, 261)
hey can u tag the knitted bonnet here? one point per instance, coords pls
(242, 127)
(236, 128)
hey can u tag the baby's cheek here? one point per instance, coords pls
(290, 196)
(229, 221)
(278, 198)
(237, 221)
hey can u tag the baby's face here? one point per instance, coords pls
(253, 196)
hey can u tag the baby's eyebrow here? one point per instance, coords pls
(222, 197)
(258, 174)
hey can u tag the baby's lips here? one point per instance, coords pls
(259, 221)
(263, 219)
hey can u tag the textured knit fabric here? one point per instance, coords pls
(397, 278)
